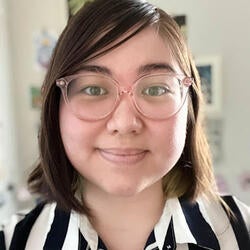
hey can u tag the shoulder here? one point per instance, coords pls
(223, 219)
(27, 227)
(217, 208)
(206, 222)
(242, 209)
(238, 216)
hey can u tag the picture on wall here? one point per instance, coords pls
(75, 5)
(209, 69)
(182, 22)
(36, 99)
(44, 42)
(214, 129)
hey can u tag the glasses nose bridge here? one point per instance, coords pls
(127, 91)
(124, 90)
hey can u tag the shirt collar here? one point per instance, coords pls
(173, 210)
(189, 225)
(88, 232)
(178, 224)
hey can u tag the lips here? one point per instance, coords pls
(123, 156)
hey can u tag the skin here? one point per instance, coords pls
(122, 190)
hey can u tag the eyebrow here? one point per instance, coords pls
(96, 69)
(144, 69)
(147, 68)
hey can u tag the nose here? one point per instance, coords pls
(125, 119)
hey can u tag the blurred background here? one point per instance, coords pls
(218, 33)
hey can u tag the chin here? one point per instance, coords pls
(125, 191)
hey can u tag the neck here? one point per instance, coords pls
(124, 217)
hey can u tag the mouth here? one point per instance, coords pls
(127, 156)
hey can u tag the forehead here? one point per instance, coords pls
(145, 48)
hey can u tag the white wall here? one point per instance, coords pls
(222, 28)
(8, 152)
(26, 18)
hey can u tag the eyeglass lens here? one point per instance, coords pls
(96, 96)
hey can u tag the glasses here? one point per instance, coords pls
(95, 96)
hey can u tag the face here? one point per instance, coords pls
(126, 153)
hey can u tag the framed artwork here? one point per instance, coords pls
(44, 43)
(36, 99)
(181, 20)
(214, 130)
(75, 5)
(209, 69)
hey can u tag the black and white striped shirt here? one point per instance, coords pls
(182, 226)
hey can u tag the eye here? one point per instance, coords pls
(155, 91)
(94, 91)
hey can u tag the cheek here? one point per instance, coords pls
(76, 134)
(171, 137)
(179, 131)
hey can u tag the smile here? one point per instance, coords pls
(123, 156)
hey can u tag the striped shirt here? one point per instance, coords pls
(182, 226)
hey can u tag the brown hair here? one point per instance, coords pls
(93, 31)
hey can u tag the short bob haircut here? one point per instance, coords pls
(93, 31)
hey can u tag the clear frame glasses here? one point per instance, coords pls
(95, 96)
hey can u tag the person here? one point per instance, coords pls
(124, 162)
